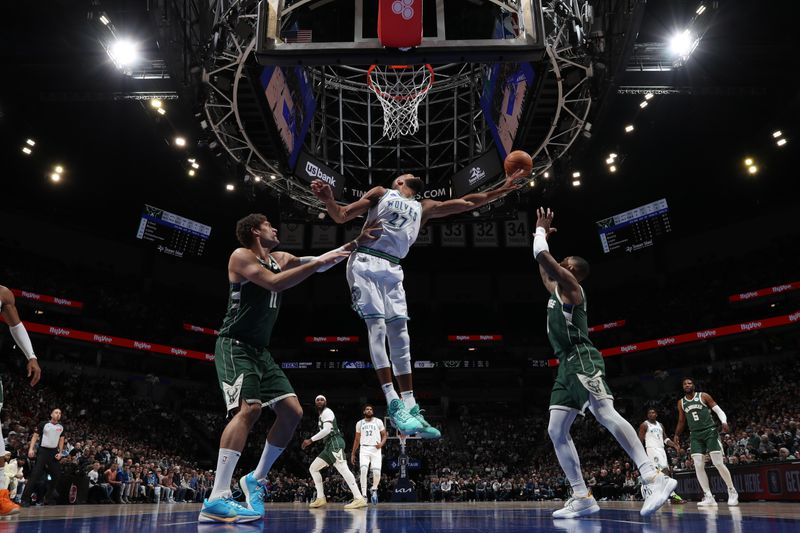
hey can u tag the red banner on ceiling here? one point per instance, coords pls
(474, 338)
(607, 325)
(200, 329)
(332, 339)
(697, 336)
(121, 342)
(64, 302)
(760, 293)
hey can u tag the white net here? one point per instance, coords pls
(400, 89)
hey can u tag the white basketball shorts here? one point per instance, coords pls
(369, 456)
(376, 287)
(659, 457)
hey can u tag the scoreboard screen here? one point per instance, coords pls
(635, 229)
(173, 234)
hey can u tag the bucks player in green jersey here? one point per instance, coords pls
(333, 454)
(580, 381)
(694, 410)
(248, 376)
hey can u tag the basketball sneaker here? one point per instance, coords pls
(578, 506)
(374, 497)
(660, 489)
(402, 419)
(254, 492)
(707, 501)
(319, 502)
(7, 507)
(427, 431)
(733, 497)
(358, 503)
(226, 510)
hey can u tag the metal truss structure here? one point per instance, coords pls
(345, 134)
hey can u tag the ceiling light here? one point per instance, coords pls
(272, 176)
(648, 96)
(781, 142)
(104, 20)
(229, 186)
(257, 179)
(643, 104)
(701, 9)
(26, 150)
(683, 44)
(180, 141)
(124, 53)
(195, 166)
(748, 162)
(191, 160)
(532, 183)
(191, 172)
(55, 176)
(576, 183)
(612, 168)
(629, 128)
(609, 160)
(776, 134)
(612, 155)
(30, 142)
(752, 169)
(59, 169)
(576, 174)
(471, 349)
(546, 174)
(156, 103)
(161, 111)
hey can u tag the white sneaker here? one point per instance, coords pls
(733, 498)
(576, 507)
(709, 501)
(660, 489)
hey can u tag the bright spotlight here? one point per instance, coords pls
(576, 174)
(26, 150)
(701, 9)
(257, 179)
(124, 53)
(776, 134)
(648, 96)
(748, 162)
(609, 160)
(752, 169)
(532, 183)
(683, 44)
(781, 142)
(229, 186)
(191, 172)
(55, 177)
(546, 174)
(629, 128)
(643, 104)
(612, 168)
(195, 166)
(180, 141)
(273, 177)
(161, 111)
(104, 20)
(155, 103)
(59, 169)
(576, 183)
(31, 142)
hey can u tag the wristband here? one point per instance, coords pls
(540, 242)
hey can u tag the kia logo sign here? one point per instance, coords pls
(309, 169)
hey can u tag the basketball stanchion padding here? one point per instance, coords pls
(400, 23)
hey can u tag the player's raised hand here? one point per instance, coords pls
(321, 190)
(725, 428)
(544, 219)
(517, 179)
(34, 372)
(370, 232)
(331, 258)
(306, 443)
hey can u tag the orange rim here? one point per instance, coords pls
(379, 92)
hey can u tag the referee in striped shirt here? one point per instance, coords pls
(50, 436)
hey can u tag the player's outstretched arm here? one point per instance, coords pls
(681, 424)
(433, 209)
(714, 406)
(243, 262)
(552, 272)
(19, 333)
(344, 213)
(369, 233)
(356, 444)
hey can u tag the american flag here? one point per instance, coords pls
(296, 36)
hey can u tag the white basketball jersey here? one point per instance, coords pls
(654, 438)
(370, 431)
(401, 218)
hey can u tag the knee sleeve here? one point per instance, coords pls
(559, 425)
(376, 331)
(399, 346)
(716, 459)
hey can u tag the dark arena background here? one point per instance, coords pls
(136, 133)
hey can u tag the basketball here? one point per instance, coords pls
(518, 160)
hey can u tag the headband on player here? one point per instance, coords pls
(320, 397)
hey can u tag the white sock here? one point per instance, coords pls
(349, 478)
(566, 453)
(389, 392)
(268, 457)
(700, 470)
(226, 464)
(364, 470)
(316, 466)
(724, 473)
(408, 399)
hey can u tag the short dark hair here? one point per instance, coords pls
(368, 405)
(581, 266)
(415, 184)
(245, 227)
(687, 378)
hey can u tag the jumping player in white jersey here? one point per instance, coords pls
(370, 437)
(376, 278)
(652, 434)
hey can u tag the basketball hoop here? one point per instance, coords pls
(400, 89)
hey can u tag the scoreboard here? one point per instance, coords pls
(635, 229)
(172, 234)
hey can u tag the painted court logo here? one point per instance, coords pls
(404, 8)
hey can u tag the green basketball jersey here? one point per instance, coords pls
(698, 415)
(327, 415)
(252, 310)
(567, 326)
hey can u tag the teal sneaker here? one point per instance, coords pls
(226, 510)
(402, 419)
(427, 431)
(254, 491)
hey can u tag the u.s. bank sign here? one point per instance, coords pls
(309, 169)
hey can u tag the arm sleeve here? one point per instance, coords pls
(720, 413)
(21, 338)
(327, 425)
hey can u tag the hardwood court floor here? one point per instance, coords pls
(614, 517)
